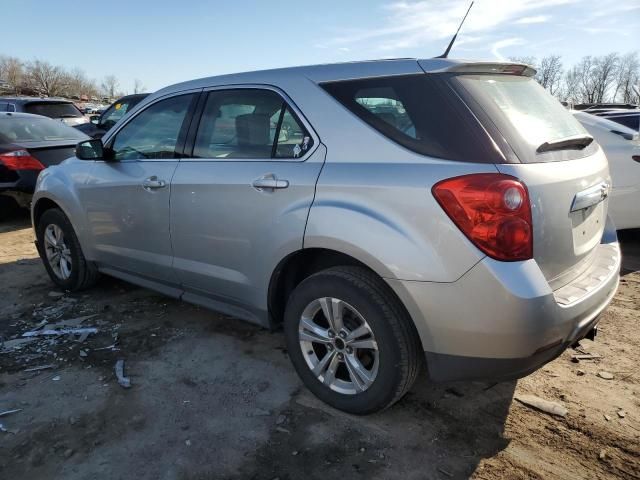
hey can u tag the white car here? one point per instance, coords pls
(621, 145)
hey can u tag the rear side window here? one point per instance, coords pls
(420, 112)
(53, 110)
(631, 121)
(36, 129)
(249, 123)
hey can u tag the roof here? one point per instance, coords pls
(23, 115)
(334, 72)
(34, 99)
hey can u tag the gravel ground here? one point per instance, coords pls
(212, 397)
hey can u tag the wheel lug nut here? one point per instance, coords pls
(342, 334)
(329, 347)
(340, 356)
(349, 350)
(331, 333)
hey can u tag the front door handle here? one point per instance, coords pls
(269, 182)
(153, 183)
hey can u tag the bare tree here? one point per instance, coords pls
(12, 71)
(45, 78)
(549, 73)
(605, 72)
(138, 86)
(110, 85)
(628, 75)
(570, 91)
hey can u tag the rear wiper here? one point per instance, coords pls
(576, 142)
(625, 135)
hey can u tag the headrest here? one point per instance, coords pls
(252, 129)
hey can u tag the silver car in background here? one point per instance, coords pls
(388, 214)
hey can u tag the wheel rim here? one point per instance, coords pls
(338, 345)
(58, 254)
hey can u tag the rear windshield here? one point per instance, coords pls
(421, 113)
(34, 129)
(524, 113)
(53, 110)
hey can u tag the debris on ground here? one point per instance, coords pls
(622, 413)
(41, 367)
(54, 294)
(543, 405)
(585, 356)
(62, 331)
(445, 472)
(56, 378)
(606, 375)
(9, 412)
(124, 382)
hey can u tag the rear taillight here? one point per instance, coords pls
(20, 160)
(492, 210)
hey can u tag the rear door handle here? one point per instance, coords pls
(269, 182)
(153, 183)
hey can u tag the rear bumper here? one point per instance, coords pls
(502, 320)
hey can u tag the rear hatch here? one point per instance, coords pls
(65, 111)
(565, 171)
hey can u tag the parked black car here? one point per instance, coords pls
(28, 144)
(101, 124)
(57, 108)
(628, 118)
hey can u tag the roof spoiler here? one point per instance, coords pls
(437, 65)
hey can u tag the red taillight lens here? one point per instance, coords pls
(492, 210)
(20, 160)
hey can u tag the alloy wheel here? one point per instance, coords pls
(57, 252)
(338, 345)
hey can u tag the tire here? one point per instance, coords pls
(369, 306)
(8, 207)
(82, 274)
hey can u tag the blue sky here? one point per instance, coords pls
(162, 42)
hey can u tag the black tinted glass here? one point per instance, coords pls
(420, 112)
(53, 110)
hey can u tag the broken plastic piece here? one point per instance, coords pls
(124, 382)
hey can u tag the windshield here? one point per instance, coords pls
(524, 112)
(116, 111)
(53, 110)
(34, 129)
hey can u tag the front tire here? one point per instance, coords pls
(61, 253)
(351, 341)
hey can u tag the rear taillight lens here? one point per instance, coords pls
(20, 160)
(492, 210)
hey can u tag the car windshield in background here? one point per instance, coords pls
(116, 111)
(34, 129)
(521, 108)
(53, 110)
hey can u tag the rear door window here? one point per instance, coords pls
(249, 124)
(420, 112)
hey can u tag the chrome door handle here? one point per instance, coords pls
(269, 182)
(153, 182)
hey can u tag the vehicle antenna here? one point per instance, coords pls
(446, 52)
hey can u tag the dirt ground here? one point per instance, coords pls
(212, 397)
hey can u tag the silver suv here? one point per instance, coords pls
(388, 214)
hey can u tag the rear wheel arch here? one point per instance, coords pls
(301, 264)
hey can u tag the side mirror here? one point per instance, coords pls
(92, 150)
